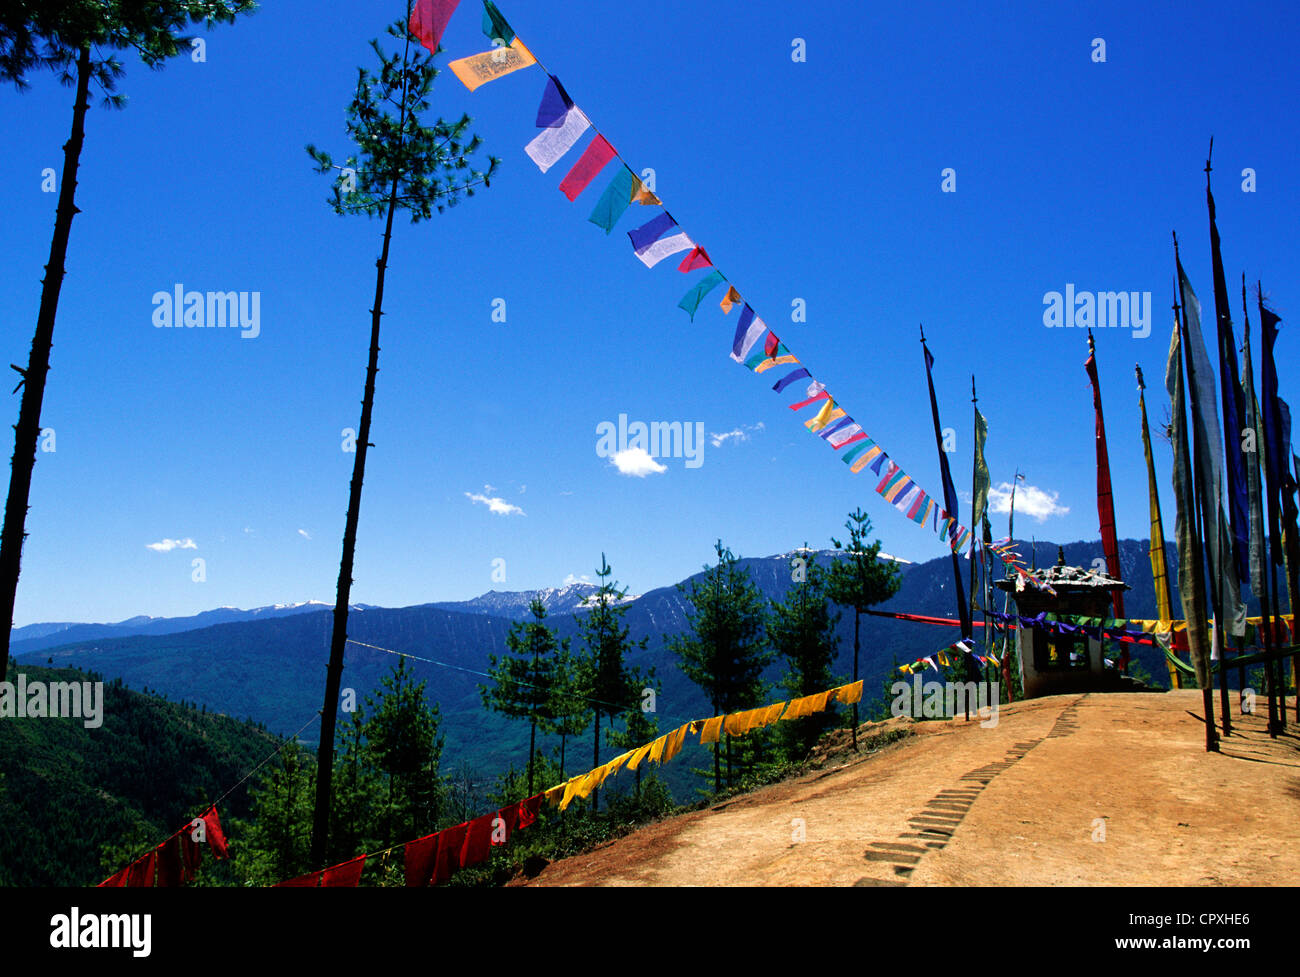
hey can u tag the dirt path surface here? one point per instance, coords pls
(1067, 790)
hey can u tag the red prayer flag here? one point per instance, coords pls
(421, 856)
(170, 870)
(308, 881)
(429, 19)
(770, 344)
(1105, 502)
(216, 837)
(478, 841)
(191, 855)
(141, 871)
(449, 849)
(115, 881)
(528, 811)
(346, 875)
(821, 395)
(593, 160)
(509, 819)
(697, 257)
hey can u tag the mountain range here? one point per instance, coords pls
(268, 664)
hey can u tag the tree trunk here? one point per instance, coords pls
(334, 671)
(532, 747)
(717, 759)
(28, 428)
(857, 616)
(595, 761)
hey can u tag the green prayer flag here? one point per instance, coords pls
(494, 25)
(692, 299)
(614, 201)
(981, 493)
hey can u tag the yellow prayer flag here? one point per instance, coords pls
(657, 749)
(773, 713)
(676, 739)
(733, 724)
(777, 361)
(478, 69)
(849, 694)
(712, 730)
(554, 795)
(730, 299)
(820, 701)
(640, 195)
(828, 413)
(637, 756)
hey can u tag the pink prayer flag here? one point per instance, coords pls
(698, 258)
(593, 160)
(429, 19)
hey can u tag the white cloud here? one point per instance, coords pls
(718, 439)
(304, 534)
(495, 504)
(636, 461)
(571, 579)
(167, 545)
(1030, 501)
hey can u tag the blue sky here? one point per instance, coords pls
(817, 180)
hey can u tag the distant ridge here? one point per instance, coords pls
(37, 637)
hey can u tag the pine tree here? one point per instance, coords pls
(404, 745)
(274, 844)
(569, 711)
(801, 630)
(524, 680)
(402, 164)
(725, 650)
(639, 727)
(860, 579)
(605, 679)
(66, 37)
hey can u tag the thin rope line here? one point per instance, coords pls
(473, 671)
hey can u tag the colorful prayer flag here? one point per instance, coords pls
(494, 25)
(614, 201)
(730, 299)
(790, 378)
(555, 105)
(748, 330)
(589, 164)
(479, 69)
(698, 258)
(691, 300)
(548, 147)
(429, 19)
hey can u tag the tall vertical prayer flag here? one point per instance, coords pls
(980, 497)
(1156, 547)
(1191, 580)
(949, 493)
(479, 69)
(429, 19)
(1225, 589)
(1105, 501)
(589, 164)
(1234, 406)
(1254, 486)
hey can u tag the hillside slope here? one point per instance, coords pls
(1023, 803)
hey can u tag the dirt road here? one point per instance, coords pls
(1068, 790)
